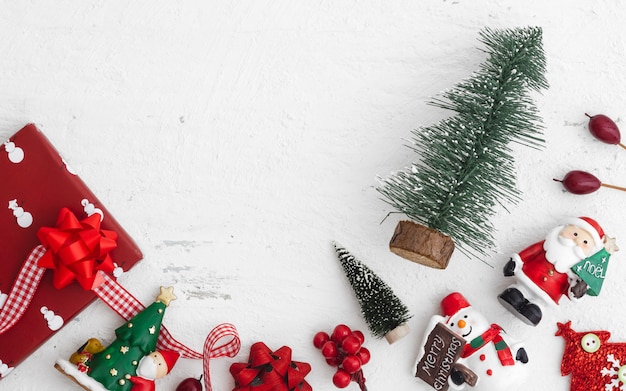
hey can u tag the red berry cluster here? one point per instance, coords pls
(343, 349)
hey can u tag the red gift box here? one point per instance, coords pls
(36, 184)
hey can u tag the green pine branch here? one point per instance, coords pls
(466, 166)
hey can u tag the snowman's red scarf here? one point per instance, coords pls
(491, 335)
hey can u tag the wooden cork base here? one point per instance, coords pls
(421, 244)
(397, 333)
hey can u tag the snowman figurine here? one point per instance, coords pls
(496, 360)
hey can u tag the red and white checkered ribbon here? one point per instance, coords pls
(122, 302)
(127, 306)
(23, 290)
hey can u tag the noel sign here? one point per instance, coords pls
(441, 351)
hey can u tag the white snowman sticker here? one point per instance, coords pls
(24, 219)
(68, 167)
(55, 322)
(15, 154)
(4, 369)
(3, 299)
(90, 208)
(117, 271)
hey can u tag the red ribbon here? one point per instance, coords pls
(77, 250)
(270, 371)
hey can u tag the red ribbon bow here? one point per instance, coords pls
(77, 250)
(270, 371)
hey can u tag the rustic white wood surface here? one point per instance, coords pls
(236, 139)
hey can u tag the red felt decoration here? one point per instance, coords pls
(594, 363)
(270, 371)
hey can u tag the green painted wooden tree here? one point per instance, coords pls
(134, 340)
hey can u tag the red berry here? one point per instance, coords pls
(320, 339)
(341, 378)
(329, 349)
(190, 384)
(333, 361)
(351, 364)
(351, 344)
(604, 129)
(340, 332)
(359, 335)
(364, 355)
(580, 182)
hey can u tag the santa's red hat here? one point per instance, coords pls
(453, 303)
(170, 358)
(591, 226)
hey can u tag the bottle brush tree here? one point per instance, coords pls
(466, 167)
(384, 313)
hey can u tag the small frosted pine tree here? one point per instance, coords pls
(384, 313)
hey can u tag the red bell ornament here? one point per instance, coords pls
(604, 129)
(582, 182)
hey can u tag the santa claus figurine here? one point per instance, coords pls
(490, 360)
(151, 367)
(571, 262)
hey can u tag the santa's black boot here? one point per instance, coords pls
(513, 300)
(531, 313)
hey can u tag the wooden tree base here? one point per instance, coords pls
(421, 244)
(397, 333)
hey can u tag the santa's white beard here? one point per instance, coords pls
(563, 253)
(147, 368)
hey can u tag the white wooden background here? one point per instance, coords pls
(236, 139)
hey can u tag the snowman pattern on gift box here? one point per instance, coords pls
(53, 320)
(15, 154)
(497, 360)
(24, 219)
(91, 209)
(4, 369)
(3, 299)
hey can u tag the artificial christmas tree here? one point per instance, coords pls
(385, 314)
(467, 167)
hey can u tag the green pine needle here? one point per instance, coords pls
(466, 166)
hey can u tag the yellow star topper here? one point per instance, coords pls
(166, 295)
(610, 246)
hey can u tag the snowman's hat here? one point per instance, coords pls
(453, 303)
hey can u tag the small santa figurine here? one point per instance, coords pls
(570, 262)
(151, 367)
